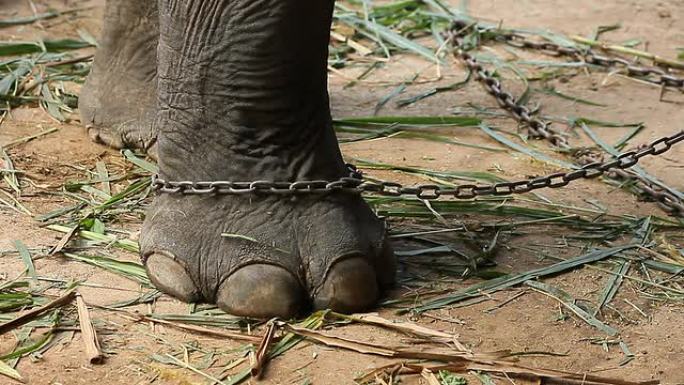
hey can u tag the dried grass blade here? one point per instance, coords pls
(63, 241)
(88, 334)
(556, 376)
(10, 176)
(430, 377)
(411, 121)
(201, 330)
(103, 175)
(184, 365)
(9, 371)
(629, 51)
(403, 327)
(442, 355)
(262, 356)
(29, 138)
(35, 313)
(109, 239)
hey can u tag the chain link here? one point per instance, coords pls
(615, 168)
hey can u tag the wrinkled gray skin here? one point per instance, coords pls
(237, 90)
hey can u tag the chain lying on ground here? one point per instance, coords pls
(355, 182)
(539, 128)
(542, 129)
(652, 74)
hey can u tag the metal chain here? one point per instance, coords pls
(659, 75)
(539, 128)
(355, 182)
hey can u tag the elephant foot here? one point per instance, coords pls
(242, 96)
(268, 256)
(118, 100)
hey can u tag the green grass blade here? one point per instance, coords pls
(525, 150)
(507, 281)
(26, 258)
(130, 270)
(570, 303)
(142, 163)
(22, 48)
(411, 121)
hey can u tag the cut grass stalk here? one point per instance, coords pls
(202, 330)
(186, 365)
(10, 372)
(566, 300)
(613, 284)
(29, 138)
(26, 258)
(105, 239)
(261, 355)
(15, 48)
(494, 285)
(88, 334)
(525, 150)
(38, 17)
(131, 270)
(37, 312)
(9, 176)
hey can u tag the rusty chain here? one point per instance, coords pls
(538, 128)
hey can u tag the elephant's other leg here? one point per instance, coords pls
(243, 97)
(117, 103)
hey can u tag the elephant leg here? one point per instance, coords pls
(118, 99)
(243, 97)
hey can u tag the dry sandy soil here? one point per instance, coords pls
(530, 322)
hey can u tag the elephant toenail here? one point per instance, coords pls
(171, 277)
(261, 291)
(350, 286)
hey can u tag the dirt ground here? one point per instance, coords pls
(530, 322)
